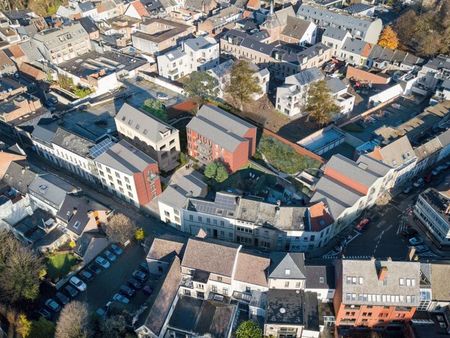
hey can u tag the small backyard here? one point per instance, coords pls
(59, 264)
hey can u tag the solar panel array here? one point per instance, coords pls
(100, 148)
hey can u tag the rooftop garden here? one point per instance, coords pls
(283, 157)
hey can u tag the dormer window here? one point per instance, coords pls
(287, 272)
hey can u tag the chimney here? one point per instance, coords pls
(382, 273)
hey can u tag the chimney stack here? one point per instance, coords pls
(382, 273)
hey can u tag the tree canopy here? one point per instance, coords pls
(320, 104)
(73, 321)
(20, 270)
(120, 228)
(201, 85)
(243, 83)
(216, 171)
(425, 33)
(388, 38)
(248, 329)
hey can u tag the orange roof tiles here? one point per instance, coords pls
(140, 8)
(320, 218)
(16, 51)
(254, 4)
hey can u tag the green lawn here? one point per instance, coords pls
(59, 264)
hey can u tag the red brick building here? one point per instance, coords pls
(129, 173)
(374, 293)
(213, 134)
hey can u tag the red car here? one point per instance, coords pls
(362, 224)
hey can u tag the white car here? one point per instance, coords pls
(78, 283)
(103, 262)
(162, 96)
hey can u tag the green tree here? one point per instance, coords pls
(42, 328)
(156, 108)
(114, 326)
(201, 85)
(221, 174)
(211, 170)
(65, 82)
(388, 38)
(248, 329)
(23, 326)
(320, 104)
(243, 83)
(139, 234)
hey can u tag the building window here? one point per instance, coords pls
(219, 278)
(286, 284)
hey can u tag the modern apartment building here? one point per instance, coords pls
(63, 43)
(364, 28)
(153, 136)
(129, 173)
(222, 73)
(198, 54)
(292, 96)
(433, 210)
(375, 293)
(214, 134)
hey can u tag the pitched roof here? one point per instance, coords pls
(72, 142)
(398, 152)
(335, 33)
(296, 27)
(320, 217)
(75, 211)
(360, 278)
(51, 188)
(287, 265)
(320, 276)
(19, 176)
(252, 269)
(357, 46)
(220, 126)
(156, 317)
(210, 257)
(143, 123)
(163, 249)
(125, 158)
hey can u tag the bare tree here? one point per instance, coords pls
(20, 270)
(120, 228)
(73, 321)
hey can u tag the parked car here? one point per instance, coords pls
(420, 182)
(147, 290)
(78, 283)
(45, 313)
(116, 249)
(120, 298)
(409, 232)
(421, 249)
(86, 275)
(361, 226)
(143, 266)
(140, 275)
(110, 256)
(71, 291)
(127, 291)
(62, 298)
(415, 241)
(135, 284)
(162, 96)
(103, 262)
(94, 268)
(52, 305)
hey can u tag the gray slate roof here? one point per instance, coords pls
(287, 265)
(125, 158)
(72, 142)
(51, 188)
(19, 176)
(143, 123)
(354, 270)
(220, 127)
(210, 257)
(335, 33)
(305, 77)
